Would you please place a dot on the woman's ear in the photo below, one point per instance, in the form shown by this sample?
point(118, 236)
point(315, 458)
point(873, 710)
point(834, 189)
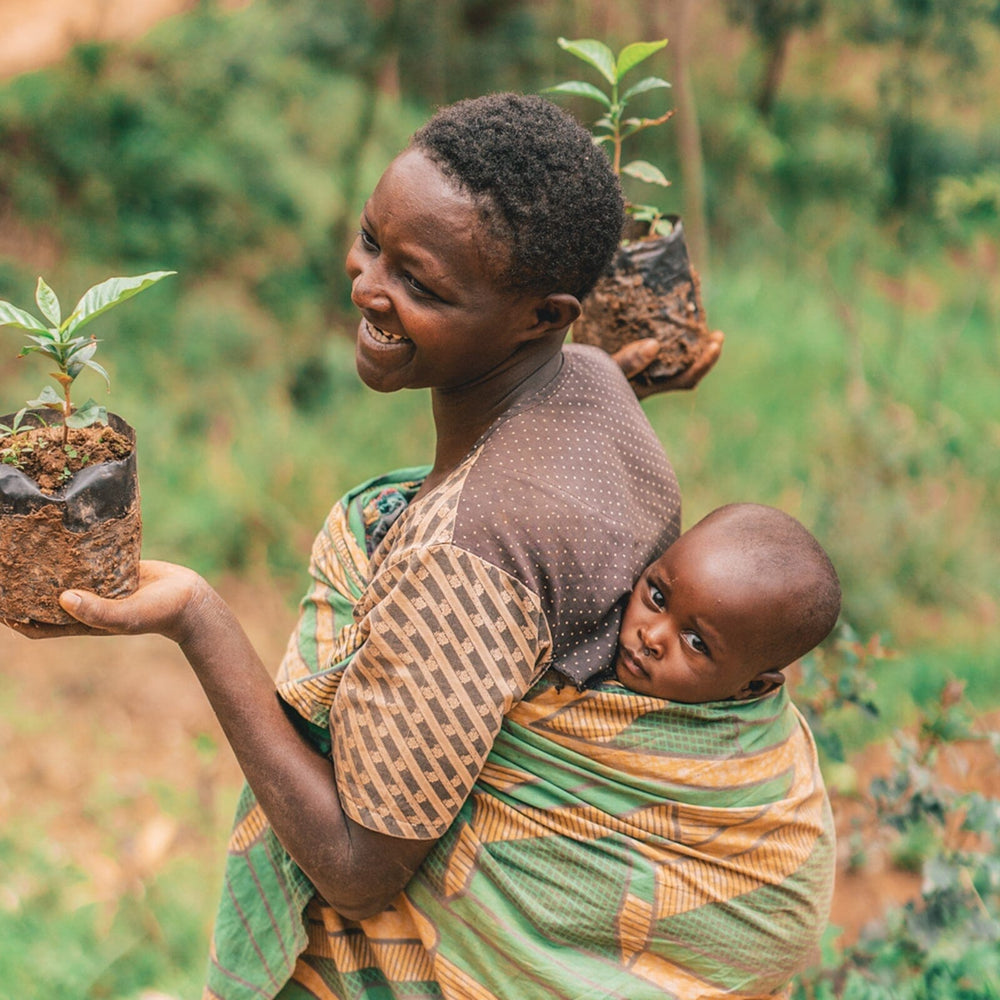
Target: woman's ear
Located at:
point(557, 312)
point(764, 683)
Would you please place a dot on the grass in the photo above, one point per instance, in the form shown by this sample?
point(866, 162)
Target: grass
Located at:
point(58, 943)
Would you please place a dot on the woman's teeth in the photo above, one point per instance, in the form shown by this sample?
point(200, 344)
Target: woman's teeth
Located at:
point(383, 337)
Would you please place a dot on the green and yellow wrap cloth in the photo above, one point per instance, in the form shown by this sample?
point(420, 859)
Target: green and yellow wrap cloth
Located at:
point(614, 846)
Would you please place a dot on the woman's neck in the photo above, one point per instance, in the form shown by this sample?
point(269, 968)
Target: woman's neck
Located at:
point(461, 417)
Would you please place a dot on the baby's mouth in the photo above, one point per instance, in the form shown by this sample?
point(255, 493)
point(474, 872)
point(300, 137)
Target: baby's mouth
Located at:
point(383, 336)
point(631, 662)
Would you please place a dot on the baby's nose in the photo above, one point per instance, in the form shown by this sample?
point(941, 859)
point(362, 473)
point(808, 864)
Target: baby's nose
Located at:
point(654, 640)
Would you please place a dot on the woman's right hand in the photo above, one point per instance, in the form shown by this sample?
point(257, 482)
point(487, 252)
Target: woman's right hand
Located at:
point(634, 358)
point(167, 602)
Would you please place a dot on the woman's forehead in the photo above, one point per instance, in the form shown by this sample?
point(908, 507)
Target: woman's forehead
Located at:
point(415, 183)
point(430, 216)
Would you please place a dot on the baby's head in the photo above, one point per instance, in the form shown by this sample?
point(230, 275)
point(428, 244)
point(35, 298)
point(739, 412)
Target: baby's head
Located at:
point(735, 600)
point(548, 201)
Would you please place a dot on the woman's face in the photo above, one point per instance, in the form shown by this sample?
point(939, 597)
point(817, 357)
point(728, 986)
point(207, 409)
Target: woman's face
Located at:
point(423, 275)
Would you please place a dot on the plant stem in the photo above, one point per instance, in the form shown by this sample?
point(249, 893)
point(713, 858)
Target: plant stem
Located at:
point(67, 410)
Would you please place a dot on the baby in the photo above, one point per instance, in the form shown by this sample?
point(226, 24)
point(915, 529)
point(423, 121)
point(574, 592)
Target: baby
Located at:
point(735, 600)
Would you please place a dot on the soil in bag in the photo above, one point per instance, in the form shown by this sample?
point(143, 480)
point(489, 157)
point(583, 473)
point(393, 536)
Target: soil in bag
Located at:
point(649, 290)
point(85, 533)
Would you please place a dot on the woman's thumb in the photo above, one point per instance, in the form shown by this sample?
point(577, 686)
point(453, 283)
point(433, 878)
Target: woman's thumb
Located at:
point(83, 606)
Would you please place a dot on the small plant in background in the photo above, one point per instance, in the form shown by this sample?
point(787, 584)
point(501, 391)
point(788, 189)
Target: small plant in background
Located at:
point(59, 340)
point(613, 128)
point(945, 944)
point(834, 677)
point(16, 445)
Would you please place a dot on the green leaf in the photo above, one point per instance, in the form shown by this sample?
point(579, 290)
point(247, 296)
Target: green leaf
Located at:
point(644, 213)
point(48, 302)
point(100, 371)
point(644, 85)
point(594, 52)
point(89, 413)
point(48, 397)
point(10, 315)
point(644, 171)
point(634, 54)
point(80, 356)
point(109, 293)
point(43, 343)
point(580, 89)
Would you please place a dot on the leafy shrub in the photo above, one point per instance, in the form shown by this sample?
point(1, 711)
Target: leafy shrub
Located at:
point(945, 945)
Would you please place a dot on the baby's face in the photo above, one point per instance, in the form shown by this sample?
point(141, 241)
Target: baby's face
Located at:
point(697, 628)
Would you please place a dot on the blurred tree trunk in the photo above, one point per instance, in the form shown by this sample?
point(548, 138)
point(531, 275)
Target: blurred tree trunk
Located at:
point(677, 24)
point(775, 53)
point(772, 22)
point(380, 75)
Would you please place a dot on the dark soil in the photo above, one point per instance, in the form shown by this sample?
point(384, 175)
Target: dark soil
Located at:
point(650, 290)
point(622, 309)
point(41, 454)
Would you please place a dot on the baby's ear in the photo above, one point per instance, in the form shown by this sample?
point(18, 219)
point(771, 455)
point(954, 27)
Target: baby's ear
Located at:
point(764, 683)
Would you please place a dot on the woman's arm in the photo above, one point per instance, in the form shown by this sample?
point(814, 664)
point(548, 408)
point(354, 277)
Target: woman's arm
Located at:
point(357, 871)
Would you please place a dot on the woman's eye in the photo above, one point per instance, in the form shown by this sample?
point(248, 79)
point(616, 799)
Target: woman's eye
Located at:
point(367, 240)
point(696, 642)
point(656, 596)
point(418, 287)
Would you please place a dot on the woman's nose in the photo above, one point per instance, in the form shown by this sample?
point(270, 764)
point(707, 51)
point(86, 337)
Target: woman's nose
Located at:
point(367, 285)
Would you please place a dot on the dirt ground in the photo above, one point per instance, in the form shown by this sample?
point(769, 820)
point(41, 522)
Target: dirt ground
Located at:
point(94, 730)
point(35, 33)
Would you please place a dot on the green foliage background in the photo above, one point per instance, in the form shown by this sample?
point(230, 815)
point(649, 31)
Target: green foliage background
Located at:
point(854, 218)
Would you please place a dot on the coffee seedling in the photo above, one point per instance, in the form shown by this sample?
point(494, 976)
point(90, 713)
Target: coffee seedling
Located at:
point(612, 128)
point(59, 340)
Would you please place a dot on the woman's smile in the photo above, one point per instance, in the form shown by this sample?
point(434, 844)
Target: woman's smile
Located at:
point(382, 336)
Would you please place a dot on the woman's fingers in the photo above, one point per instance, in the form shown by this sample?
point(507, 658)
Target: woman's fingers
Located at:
point(637, 356)
point(166, 593)
point(702, 365)
point(43, 630)
point(168, 602)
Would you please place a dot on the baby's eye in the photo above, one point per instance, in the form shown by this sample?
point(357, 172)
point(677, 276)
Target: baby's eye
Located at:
point(367, 240)
point(656, 596)
point(696, 642)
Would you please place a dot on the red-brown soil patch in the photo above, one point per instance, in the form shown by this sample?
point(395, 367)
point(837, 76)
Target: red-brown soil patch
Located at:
point(866, 891)
point(109, 745)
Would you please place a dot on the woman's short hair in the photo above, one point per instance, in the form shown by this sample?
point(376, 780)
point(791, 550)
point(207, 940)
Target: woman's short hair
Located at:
point(544, 189)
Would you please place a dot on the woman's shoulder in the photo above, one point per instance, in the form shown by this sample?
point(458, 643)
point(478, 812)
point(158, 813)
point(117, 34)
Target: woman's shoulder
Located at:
point(584, 362)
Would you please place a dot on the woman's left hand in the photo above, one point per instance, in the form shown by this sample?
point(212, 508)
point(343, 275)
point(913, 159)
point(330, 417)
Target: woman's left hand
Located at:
point(167, 602)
